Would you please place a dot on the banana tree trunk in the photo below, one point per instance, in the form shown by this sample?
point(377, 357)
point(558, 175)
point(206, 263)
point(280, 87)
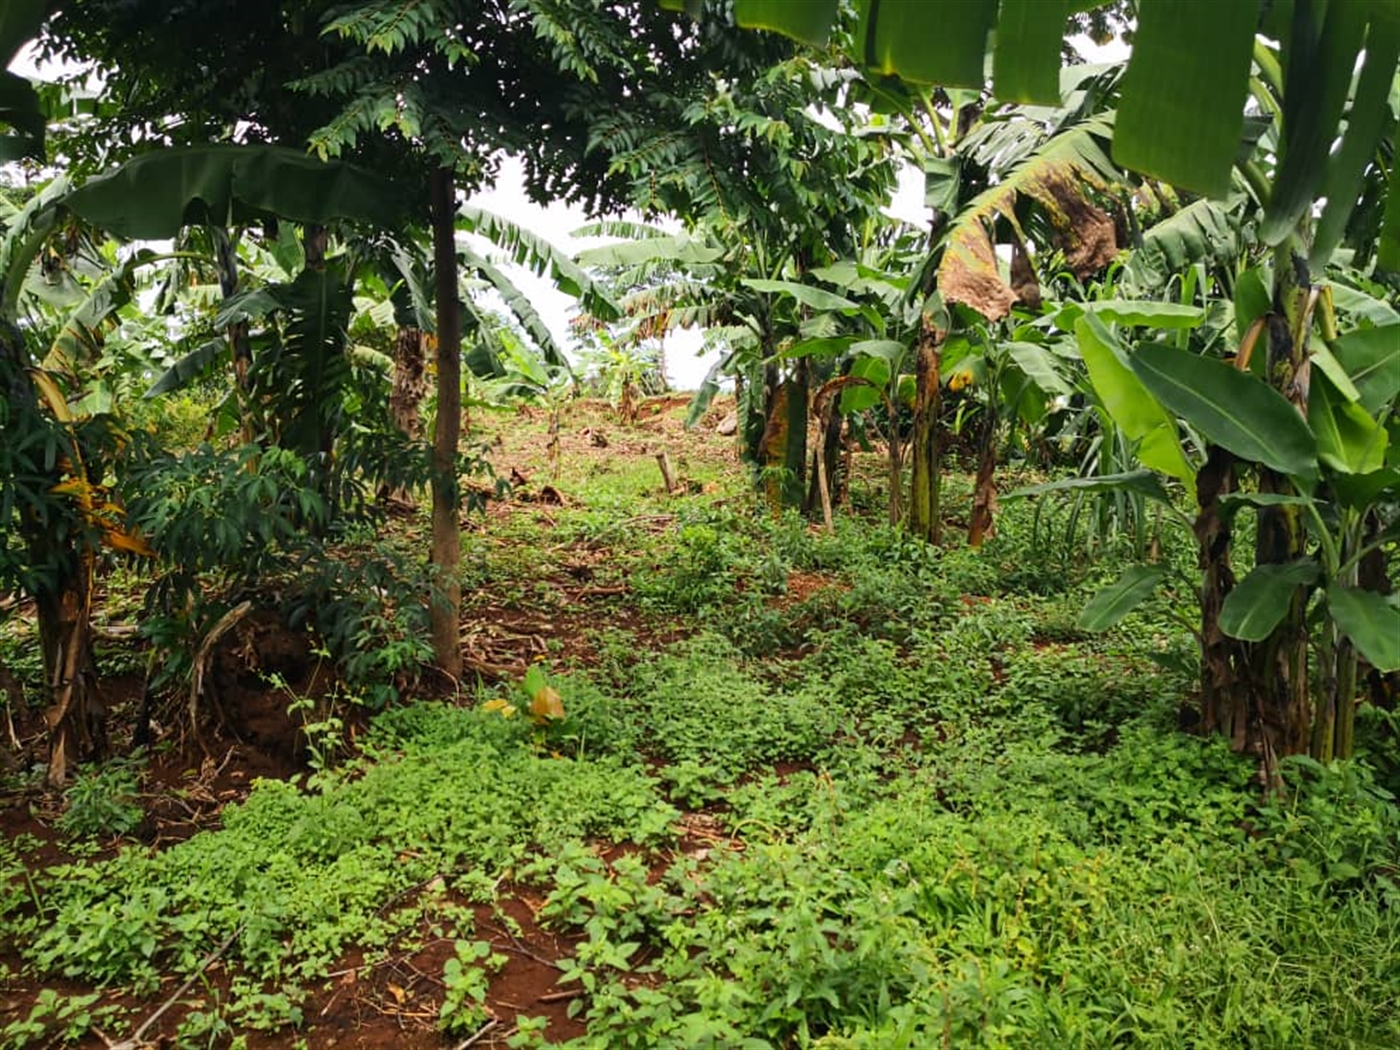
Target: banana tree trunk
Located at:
point(1373, 575)
point(1278, 666)
point(1224, 708)
point(925, 513)
point(62, 589)
point(984, 490)
point(407, 389)
point(794, 476)
point(241, 347)
point(75, 716)
point(410, 382)
point(782, 450)
point(445, 602)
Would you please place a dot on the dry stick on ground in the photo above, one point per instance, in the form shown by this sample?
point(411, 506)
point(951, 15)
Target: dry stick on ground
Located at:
point(203, 655)
point(137, 1037)
point(480, 1034)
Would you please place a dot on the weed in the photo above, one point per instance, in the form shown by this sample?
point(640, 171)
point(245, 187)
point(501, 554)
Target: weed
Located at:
point(104, 800)
point(466, 977)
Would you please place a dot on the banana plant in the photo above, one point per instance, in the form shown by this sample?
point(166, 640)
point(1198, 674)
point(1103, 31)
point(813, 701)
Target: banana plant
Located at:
point(60, 516)
point(1342, 468)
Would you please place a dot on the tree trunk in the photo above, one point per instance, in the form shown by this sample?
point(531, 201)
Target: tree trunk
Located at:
point(75, 716)
point(1223, 707)
point(406, 393)
point(62, 585)
point(445, 602)
point(410, 383)
point(825, 482)
point(794, 487)
point(1372, 574)
point(1278, 666)
point(924, 511)
point(240, 346)
point(984, 491)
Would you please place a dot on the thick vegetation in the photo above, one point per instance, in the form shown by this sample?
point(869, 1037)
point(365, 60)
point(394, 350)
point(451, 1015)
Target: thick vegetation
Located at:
point(353, 668)
point(872, 795)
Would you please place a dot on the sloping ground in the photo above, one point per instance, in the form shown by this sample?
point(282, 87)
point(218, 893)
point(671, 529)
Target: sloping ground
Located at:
point(808, 790)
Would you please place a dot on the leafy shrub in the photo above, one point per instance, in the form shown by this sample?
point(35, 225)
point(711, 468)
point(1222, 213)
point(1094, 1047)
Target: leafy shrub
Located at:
point(103, 801)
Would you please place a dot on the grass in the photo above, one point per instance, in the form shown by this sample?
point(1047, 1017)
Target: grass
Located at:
point(946, 817)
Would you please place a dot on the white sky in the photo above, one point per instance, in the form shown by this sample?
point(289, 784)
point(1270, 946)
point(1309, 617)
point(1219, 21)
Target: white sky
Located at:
point(685, 367)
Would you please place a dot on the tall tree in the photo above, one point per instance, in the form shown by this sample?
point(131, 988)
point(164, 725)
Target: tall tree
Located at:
point(434, 91)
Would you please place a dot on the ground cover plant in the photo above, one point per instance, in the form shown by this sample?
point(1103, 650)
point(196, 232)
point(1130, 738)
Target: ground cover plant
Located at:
point(1000, 647)
point(814, 794)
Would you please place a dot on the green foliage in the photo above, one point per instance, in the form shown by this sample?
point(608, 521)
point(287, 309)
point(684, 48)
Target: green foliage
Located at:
point(55, 1018)
point(104, 801)
point(466, 977)
point(302, 876)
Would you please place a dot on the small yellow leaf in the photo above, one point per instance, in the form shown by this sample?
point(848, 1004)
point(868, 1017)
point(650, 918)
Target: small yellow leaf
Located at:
point(398, 993)
point(546, 706)
point(72, 487)
point(504, 706)
point(127, 543)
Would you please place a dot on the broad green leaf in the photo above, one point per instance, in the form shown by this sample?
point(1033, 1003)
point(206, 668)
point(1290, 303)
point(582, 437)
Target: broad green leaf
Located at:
point(1040, 366)
point(1129, 403)
point(540, 256)
point(1361, 491)
point(1229, 407)
point(1369, 113)
point(1348, 439)
point(816, 298)
point(1026, 62)
point(683, 251)
point(1359, 304)
point(522, 307)
point(1183, 95)
point(1371, 622)
point(806, 20)
point(1388, 245)
point(189, 367)
point(1371, 357)
point(1260, 601)
point(1326, 362)
point(942, 180)
point(1146, 313)
point(1142, 482)
point(1319, 75)
point(861, 396)
point(888, 350)
point(1263, 499)
point(156, 194)
point(1252, 300)
point(705, 396)
point(1203, 231)
point(1121, 597)
point(943, 43)
point(830, 346)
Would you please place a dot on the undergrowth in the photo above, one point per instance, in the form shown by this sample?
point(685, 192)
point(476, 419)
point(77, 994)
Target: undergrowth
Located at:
point(948, 816)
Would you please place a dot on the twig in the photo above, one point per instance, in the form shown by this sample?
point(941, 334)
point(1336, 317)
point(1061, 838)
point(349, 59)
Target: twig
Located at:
point(516, 946)
point(559, 997)
point(480, 1034)
point(137, 1037)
